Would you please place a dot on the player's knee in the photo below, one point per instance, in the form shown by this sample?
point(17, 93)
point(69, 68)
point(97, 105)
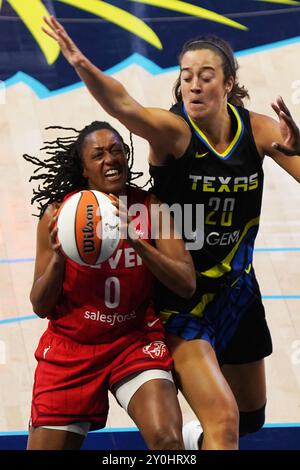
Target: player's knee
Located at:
point(224, 428)
point(166, 439)
point(251, 421)
point(229, 425)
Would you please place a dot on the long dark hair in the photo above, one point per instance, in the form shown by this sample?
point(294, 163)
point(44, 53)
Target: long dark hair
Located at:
point(62, 171)
point(229, 66)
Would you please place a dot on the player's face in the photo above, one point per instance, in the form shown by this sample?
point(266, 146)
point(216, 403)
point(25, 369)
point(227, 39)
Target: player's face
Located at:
point(104, 162)
point(204, 92)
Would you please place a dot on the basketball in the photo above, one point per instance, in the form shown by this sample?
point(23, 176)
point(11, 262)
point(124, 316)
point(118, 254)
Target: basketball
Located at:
point(88, 228)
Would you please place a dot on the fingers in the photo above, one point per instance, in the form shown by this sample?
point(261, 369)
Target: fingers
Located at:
point(53, 231)
point(115, 202)
point(284, 114)
point(289, 122)
point(283, 149)
point(283, 106)
point(121, 212)
point(48, 22)
point(118, 203)
point(50, 33)
point(56, 23)
point(276, 108)
point(279, 106)
point(52, 227)
point(53, 24)
point(52, 30)
point(55, 243)
point(114, 199)
point(57, 31)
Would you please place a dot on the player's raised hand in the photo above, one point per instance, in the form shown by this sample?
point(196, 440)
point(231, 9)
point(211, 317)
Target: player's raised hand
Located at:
point(127, 226)
point(290, 132)
point(57, 32)
point(53, 230)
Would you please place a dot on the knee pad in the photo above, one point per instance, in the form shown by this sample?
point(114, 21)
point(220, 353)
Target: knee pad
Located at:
point(251, 421)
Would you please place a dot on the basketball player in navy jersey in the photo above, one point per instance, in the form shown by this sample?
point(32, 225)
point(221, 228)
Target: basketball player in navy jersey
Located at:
point(103, 333)
point(210, 150)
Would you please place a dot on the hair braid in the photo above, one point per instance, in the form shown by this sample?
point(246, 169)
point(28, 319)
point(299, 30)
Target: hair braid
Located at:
point(62, 172)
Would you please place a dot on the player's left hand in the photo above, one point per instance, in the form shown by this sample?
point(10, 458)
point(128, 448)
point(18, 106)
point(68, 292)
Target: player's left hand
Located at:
point(289, 130)
point(127, 224)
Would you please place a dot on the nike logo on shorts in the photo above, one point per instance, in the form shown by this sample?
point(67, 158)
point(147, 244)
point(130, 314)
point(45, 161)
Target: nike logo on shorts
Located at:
point(151, 323)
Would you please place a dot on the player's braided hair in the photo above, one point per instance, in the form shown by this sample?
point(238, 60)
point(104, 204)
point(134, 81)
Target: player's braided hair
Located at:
point(229, 66)
point(62, 172)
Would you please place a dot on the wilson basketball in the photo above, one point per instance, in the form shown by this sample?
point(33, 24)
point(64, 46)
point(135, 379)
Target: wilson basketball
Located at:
point(88, 228)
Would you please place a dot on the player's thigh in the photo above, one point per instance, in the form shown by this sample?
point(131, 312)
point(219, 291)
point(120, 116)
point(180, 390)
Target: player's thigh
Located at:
point(248, 384)
point(52, 439)
point(202, 382)
point(150, 399)
point(155, 404)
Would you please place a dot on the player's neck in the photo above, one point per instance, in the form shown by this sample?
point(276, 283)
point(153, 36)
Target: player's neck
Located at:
point(218, 129)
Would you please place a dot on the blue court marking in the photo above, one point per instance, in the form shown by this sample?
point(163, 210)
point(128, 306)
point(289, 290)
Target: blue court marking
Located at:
point(17, 319)
point(111, 430)
point(35, 317)
point(257, 250)
point(267, 47)
point(40, 90)
point(147, 64)
point(266, 250)
point(280, 297)
point(282, 425)
point(105, 430)
point(118, 430)
point(16, 260)
point(43, 92)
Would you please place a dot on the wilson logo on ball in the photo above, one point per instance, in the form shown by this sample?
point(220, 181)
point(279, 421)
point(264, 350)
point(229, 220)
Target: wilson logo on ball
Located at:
point(80, 223)
point(87, 230)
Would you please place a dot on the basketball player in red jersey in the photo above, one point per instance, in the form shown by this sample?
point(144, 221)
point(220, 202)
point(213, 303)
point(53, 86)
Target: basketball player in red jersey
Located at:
point(220, 337)
point(103, 333)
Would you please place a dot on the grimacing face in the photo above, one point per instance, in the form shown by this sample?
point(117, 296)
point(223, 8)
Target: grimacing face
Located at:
point(204, 92)
point(104, 162)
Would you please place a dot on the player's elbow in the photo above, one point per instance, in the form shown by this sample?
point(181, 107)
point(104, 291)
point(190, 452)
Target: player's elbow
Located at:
point(39, 307)
point(39, 310)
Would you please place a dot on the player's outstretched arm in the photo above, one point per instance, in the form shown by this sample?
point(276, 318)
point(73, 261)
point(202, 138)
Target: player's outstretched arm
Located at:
point(279, 139)
point(166, 132)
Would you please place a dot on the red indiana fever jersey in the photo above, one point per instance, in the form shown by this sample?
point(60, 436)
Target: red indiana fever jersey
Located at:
point(103, 302)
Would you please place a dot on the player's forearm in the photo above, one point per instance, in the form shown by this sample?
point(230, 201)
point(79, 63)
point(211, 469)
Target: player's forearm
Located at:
point(176, 275)
point(47, 288)
point(109, 93)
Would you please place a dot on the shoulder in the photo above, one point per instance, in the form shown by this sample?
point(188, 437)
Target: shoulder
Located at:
point(265, 131)
point(263, 124)
point(176, 135)
point(258, 120)
point(174, 117)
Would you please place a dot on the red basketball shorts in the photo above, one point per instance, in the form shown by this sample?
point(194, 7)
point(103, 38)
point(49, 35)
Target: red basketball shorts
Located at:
point(72, 380)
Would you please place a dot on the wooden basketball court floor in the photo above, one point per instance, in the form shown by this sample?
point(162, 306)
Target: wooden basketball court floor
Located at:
point(23, 117)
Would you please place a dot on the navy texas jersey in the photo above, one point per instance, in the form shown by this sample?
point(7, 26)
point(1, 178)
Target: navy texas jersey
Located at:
point(229, 186)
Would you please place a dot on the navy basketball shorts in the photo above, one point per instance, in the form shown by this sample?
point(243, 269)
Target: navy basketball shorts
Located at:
point(233, 322)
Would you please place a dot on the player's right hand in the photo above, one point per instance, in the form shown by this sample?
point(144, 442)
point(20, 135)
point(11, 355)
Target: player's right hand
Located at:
point(57, 32)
